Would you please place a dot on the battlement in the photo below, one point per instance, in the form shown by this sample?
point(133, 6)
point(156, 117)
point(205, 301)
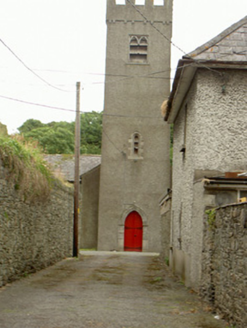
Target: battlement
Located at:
point(154, 10)
point(141, 2)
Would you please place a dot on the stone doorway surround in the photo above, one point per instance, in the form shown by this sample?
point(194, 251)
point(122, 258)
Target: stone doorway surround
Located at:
point(121, 223)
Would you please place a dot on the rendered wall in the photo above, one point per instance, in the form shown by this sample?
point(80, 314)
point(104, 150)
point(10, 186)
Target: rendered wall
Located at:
point(133, 95)
point(89, 209)
point(215, 138)
point(224, 263)
point(33, 236)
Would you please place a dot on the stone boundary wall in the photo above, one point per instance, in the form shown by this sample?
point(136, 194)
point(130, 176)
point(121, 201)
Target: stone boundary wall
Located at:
point(224, 263)
point(33, 236)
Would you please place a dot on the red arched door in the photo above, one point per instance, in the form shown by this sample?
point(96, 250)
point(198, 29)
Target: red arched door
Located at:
point(133, 231)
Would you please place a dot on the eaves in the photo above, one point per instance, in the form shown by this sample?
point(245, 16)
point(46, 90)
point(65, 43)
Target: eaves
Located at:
point(185, 73)
point(186, 70)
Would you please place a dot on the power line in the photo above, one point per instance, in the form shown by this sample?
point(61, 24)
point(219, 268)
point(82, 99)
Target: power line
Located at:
point(36, 104)
point(198, 63)
point(133, 116)
point(92, 73)
point(135, 76)
point(121, 151)
point(29, 69)
point(152, 24)
point(114, 75)
point(114, 81)
point(7, 81)
point(164, 36)
point(126, 77)
point(132, 76)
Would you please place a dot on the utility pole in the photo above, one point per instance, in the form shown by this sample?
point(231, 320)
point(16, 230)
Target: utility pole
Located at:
point(77, 172)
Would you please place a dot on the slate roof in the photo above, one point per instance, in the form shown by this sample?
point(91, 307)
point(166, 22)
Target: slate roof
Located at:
point(227, 50)
point(63, 165)
point(230, 45)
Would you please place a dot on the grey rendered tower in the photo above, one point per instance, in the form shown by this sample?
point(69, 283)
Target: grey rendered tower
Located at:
point(135, 169)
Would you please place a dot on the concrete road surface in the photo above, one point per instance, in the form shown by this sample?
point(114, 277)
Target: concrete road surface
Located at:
point(104, 290)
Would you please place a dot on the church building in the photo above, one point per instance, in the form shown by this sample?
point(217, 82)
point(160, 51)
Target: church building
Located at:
point(135, 166)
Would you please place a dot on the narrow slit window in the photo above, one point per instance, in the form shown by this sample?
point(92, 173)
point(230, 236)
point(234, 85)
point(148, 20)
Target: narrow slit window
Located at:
point(136, 146)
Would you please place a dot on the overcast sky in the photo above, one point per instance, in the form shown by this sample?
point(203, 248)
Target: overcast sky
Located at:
point(63, 41)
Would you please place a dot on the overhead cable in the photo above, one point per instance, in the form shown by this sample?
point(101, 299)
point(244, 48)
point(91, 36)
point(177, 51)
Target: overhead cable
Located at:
point(29, 69)
point(152, 24)
point(164, 36)
point(36, 104)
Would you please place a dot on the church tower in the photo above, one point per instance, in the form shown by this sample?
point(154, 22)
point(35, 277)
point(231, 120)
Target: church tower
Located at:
point(135, 169)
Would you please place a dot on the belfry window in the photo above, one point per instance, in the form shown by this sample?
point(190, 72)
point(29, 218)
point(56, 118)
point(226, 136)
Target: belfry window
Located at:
point(136, 146)
point(138, 48)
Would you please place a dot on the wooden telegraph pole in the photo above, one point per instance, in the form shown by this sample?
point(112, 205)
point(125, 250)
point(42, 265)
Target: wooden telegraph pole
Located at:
point(77, 172)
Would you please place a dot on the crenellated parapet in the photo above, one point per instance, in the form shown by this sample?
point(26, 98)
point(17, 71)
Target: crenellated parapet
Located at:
point(131, 12)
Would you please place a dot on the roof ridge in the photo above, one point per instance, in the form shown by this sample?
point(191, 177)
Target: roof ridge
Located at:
point(216, 39)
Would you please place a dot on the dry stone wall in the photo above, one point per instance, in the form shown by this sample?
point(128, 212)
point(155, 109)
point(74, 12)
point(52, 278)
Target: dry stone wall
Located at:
point(224, 267)
point(33, 236)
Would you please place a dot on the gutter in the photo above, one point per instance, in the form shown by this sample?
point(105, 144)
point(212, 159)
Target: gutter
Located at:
point(224, 184)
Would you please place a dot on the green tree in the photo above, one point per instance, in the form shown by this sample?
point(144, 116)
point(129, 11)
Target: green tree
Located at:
point(58, 137)
point(91, 132)
point(58, 140)
point(30, 125)
point(62, 124)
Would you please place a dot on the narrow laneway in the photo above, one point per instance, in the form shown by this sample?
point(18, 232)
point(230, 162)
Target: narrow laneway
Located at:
point(104, 290)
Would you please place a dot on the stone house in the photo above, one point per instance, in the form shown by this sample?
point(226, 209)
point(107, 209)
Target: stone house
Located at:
point(63, 166)
point(135, 165)
point(208, 107)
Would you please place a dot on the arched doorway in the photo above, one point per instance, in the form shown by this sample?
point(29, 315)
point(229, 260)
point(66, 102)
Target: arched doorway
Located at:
point(133, 231)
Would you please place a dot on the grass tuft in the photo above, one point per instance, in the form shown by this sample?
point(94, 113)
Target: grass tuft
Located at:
point(27, 169)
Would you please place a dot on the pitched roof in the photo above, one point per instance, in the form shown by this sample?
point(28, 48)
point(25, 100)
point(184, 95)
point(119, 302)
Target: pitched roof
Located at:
point(230, 45)
point(227, 50)
point(63, 165)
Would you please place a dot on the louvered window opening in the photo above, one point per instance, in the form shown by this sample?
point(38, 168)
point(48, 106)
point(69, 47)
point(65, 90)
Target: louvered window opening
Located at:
point(138, 49)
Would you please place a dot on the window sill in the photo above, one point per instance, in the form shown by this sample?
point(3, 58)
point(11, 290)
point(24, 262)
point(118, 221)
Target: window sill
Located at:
point(132, 63)
point(135, 158)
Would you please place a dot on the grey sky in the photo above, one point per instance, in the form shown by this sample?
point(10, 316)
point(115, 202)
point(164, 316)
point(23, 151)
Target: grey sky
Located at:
point(63, 41)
